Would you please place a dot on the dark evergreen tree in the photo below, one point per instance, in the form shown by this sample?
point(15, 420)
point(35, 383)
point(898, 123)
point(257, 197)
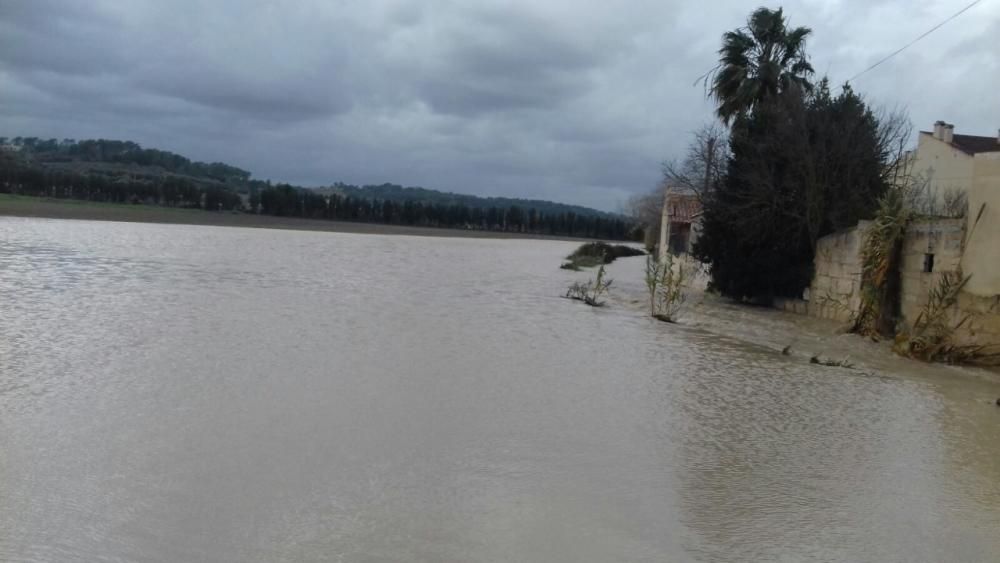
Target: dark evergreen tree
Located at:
point(801, 168)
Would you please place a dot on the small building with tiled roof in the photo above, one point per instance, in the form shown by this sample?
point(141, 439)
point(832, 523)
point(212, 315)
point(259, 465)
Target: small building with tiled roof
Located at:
point(683, 214)
point(683, 208)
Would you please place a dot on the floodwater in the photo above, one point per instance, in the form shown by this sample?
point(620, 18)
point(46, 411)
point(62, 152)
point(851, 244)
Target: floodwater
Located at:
point(178, 393)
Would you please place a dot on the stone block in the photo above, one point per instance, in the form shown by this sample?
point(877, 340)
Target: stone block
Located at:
point(837, 270)
point(947, 263)
point(821, 284)
point(952, 243)
point(912, 262)
point(845, 286)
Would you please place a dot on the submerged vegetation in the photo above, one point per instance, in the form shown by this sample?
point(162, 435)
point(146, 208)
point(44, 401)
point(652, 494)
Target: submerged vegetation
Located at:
point(598, 253)
point(828, 362)
point(591, 291)
point(665, 283)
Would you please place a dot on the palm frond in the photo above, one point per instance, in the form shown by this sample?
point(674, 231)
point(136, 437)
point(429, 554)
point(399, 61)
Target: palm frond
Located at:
point(760, 60)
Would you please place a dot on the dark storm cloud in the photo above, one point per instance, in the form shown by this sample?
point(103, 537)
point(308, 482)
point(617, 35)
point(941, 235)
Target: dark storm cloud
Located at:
point(60, 37)
point(554, 99)
point(250, 98)
point(490, 60)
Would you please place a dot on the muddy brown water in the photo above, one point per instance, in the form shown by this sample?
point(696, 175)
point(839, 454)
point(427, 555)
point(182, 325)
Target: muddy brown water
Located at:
point(180, 393)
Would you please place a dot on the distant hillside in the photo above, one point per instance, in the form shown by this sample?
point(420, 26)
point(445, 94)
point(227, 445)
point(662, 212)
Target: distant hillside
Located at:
point(117, 172)
point(116, 156)
point(124, 172)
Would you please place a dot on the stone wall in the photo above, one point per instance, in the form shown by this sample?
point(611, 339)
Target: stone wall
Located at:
point(942, 239)
point(834, 292)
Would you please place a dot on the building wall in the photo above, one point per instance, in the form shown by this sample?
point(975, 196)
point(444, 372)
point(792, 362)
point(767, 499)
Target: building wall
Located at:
point(945, 166)
point(982, 251)
point(941, 238)
point(977, 317)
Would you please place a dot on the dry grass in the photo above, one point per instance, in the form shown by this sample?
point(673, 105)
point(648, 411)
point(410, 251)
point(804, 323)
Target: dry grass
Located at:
point(932, 336)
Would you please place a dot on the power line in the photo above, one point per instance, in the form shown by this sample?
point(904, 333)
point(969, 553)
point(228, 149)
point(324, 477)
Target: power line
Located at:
point(925, 34)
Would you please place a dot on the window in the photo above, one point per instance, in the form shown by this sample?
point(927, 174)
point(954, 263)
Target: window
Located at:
point(928, 263)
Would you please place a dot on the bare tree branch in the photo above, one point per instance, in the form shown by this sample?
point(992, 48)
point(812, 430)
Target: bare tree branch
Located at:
point(703, 164)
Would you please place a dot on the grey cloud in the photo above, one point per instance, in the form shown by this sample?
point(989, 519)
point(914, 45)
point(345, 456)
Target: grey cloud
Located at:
point(554, 99)
point(57, 37)
point(489, 60)
point(249, 97)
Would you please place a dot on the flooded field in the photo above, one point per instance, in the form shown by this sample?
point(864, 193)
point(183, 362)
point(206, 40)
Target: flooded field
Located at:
point(183, 393)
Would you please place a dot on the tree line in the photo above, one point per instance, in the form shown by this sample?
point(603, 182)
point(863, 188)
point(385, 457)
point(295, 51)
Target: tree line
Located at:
point(285, 200)
point(426, 196)
point(101, 186)
point(225, 188)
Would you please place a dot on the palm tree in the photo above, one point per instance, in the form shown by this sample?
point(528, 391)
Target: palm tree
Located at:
point(758, 61)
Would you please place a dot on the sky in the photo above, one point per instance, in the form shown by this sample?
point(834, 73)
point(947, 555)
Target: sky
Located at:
point(571, 101)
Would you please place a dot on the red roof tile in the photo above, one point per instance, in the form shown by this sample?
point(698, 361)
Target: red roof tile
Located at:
point(972, 144)
point(683, 208)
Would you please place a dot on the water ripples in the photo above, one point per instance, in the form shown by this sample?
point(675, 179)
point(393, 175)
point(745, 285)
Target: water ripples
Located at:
point(194, 393)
